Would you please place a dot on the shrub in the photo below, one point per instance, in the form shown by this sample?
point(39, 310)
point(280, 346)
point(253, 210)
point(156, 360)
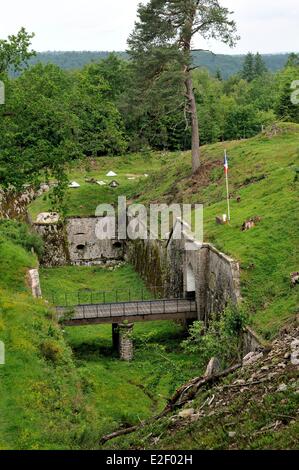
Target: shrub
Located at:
point(223, 338)
point(51, 350)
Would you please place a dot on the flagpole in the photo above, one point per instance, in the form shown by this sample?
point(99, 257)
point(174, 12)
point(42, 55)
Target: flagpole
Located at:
point(227, 189)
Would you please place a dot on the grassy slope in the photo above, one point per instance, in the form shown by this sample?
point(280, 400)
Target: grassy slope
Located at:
point(84, 200)
point(122, 393)
point(118, 284)
point(267, 253)
point(41, 401)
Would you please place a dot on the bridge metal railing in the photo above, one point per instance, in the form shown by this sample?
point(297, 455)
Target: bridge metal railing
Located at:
point(130, 309)
point(92, 297)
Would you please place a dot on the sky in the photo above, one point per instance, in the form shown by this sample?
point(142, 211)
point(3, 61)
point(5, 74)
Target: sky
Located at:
point(267, 26)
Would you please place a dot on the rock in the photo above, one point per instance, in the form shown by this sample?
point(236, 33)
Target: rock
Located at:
point(239, 382)
point(187, 413)
point(272, 375)
point(294, 278)
point(264, 368)
point(295, 344)
point(250, 223)
point(35, 282)
point(252, 357)
point(282, 388)
point(295, 358)
point(232, 434)
point(287, 355)
point(47, 218)
point(44, 187)
point(213, 367)
point(219, 220)
point(281, 365)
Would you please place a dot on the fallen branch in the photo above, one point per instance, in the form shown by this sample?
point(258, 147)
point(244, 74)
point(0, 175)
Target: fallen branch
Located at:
point(191, 388)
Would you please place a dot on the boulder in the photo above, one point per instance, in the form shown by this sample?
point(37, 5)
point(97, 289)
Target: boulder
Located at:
point(250, 223)
point(213, 367)
point(294, 278)
point(252, 357)
point(187, 413)
point(47, 218)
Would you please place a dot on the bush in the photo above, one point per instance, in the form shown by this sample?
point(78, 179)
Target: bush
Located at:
point(20, 234)
point(51, 350)
point(223, 337)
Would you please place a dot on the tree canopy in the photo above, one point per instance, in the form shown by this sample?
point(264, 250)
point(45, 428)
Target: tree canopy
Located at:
point(15, 51)
point(161, 43)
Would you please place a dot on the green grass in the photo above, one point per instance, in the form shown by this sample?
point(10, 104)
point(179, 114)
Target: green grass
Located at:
point(41, 400)
point(62, 390)
point(122, 393)
point(83, 201)
point(268, 253)
point(85, 284)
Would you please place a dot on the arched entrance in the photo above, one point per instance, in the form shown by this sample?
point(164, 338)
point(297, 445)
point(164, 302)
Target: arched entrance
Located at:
point(190, 282)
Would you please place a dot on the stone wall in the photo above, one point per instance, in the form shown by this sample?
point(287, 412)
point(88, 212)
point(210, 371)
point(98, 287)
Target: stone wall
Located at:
point(188, 268)
point(76, 242)
point(14, 205)
point(180, 266)
point(85, 247)
point(55, 244)
point(149, 258)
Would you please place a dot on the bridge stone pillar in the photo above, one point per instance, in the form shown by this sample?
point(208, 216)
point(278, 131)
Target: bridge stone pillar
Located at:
point(126, 350)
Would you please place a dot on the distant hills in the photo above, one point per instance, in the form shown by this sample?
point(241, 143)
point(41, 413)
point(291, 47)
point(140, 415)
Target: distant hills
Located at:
point(227, 64)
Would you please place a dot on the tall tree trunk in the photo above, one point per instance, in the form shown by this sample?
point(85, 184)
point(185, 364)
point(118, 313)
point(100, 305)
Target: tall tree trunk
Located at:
point(194, 122)
point(186, 40)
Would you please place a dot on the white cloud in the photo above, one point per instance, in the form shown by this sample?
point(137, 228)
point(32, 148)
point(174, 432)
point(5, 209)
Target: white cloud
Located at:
point(264, 25)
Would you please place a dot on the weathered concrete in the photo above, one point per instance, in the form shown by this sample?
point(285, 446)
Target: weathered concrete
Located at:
point(190, 268)
point(85, 246)
point(180, 267)
point(77, 242)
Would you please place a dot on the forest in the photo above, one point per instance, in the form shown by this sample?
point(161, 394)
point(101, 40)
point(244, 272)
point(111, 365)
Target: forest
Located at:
point(227, 64)
point(110, 106)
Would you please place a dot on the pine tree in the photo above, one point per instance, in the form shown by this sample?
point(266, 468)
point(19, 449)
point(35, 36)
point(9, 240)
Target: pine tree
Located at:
point(162, 40)
point(260, 67)
point(248, 70)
